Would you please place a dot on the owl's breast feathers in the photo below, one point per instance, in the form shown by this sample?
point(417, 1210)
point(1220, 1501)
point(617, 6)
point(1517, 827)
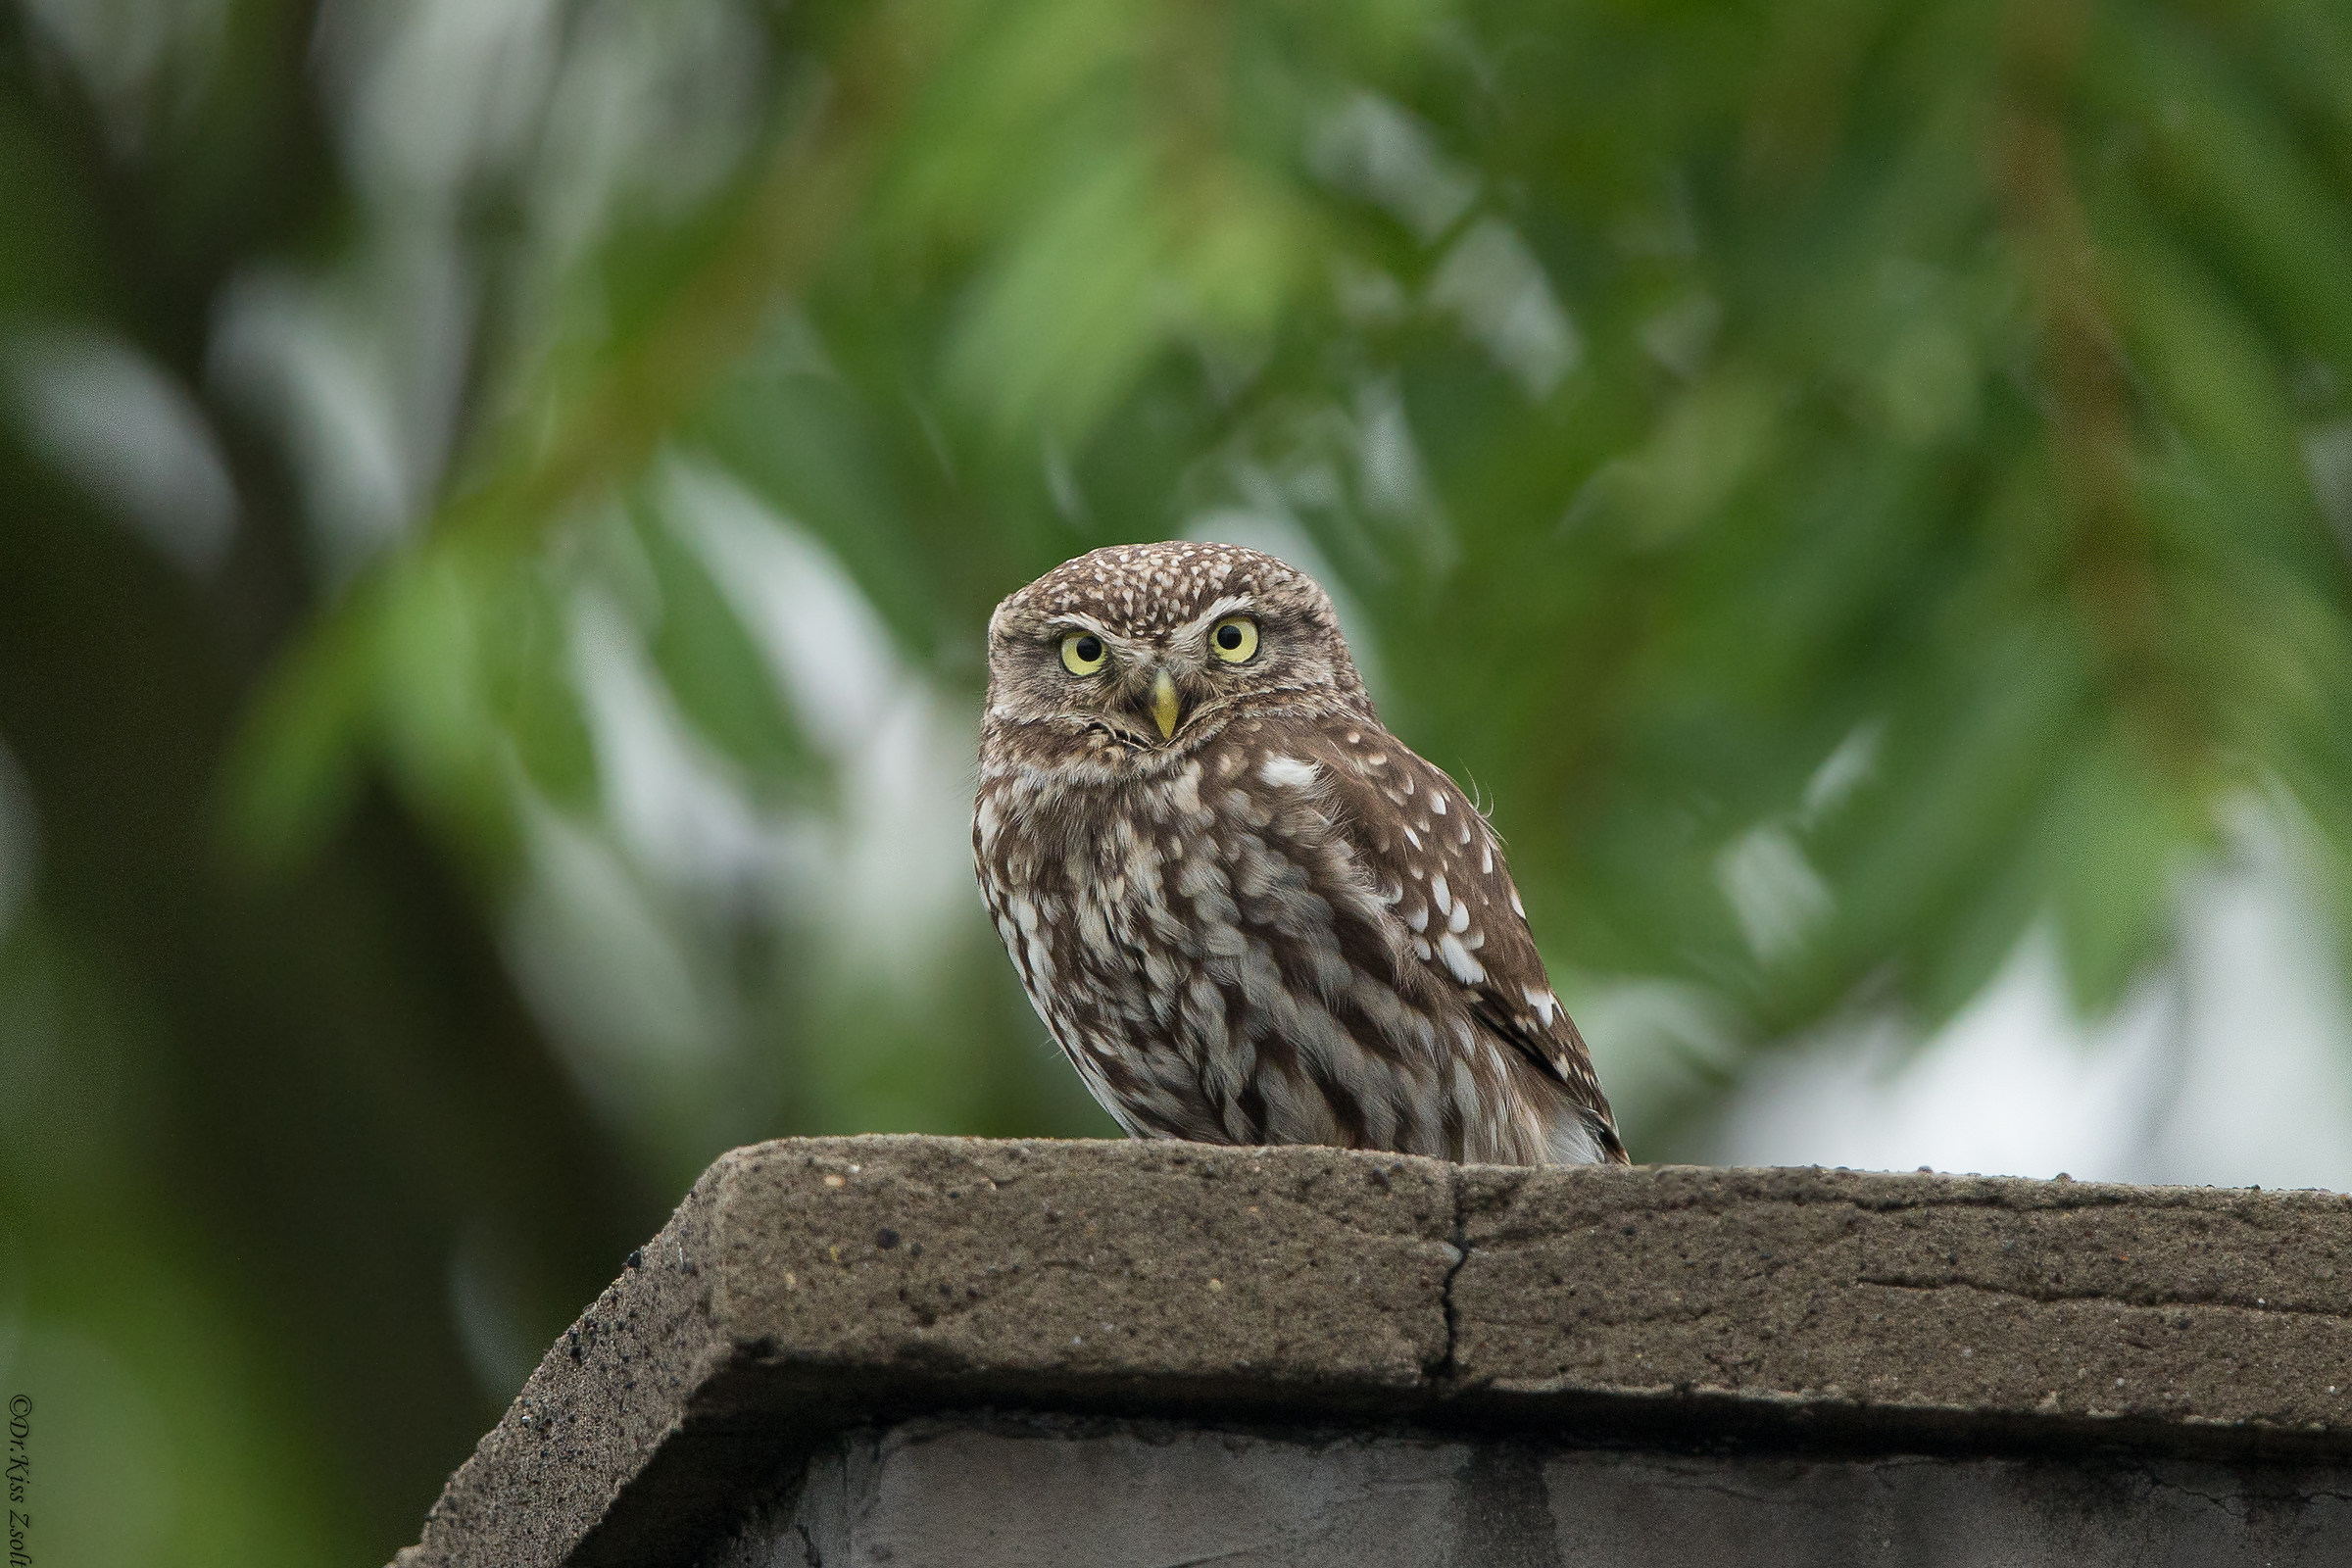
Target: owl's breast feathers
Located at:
point(1302, 933)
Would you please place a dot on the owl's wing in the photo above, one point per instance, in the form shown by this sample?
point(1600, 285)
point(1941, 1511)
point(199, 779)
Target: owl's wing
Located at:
point(1439, 867)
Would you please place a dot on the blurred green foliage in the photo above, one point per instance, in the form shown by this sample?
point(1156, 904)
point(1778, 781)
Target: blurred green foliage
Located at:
point(499, 503)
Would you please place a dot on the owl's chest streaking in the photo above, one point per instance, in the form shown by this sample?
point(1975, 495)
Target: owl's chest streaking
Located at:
point(1206, 948)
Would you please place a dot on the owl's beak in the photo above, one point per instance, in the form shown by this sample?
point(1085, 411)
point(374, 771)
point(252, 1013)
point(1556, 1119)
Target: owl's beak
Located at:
point(1163, 704)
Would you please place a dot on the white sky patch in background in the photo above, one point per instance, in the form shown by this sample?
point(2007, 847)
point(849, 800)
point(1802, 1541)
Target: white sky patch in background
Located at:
point(597, 958)
point(651, 105)
point(2328, 464)
point(2233, 1070)
point(828, 651)
point(121, 427)
point(600, 933)
point(603, 931)
point(1845, 770)
point(437, 91)
point(361, 376)
point(899, 860)
point(1774, 893)
point(1374, 149)
point(670, 800)
point(2011, 1087)
point(1494, 285)
point(609, 931)
point(1393, 479)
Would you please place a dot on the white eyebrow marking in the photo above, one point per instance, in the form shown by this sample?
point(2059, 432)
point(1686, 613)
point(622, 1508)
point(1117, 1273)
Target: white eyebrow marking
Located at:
point(1217, 611)
point(1080, 621)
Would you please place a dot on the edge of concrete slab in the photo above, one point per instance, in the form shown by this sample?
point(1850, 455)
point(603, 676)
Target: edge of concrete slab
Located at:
point(807, 1285)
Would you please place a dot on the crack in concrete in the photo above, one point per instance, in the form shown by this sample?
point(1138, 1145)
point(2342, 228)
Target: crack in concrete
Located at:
point(2193, 1201)
point(1445, 1369)
point(2060, 1298)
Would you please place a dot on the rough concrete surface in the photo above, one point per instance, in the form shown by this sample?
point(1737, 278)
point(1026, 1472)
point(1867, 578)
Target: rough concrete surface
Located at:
point(1912, 1292)
point(808, 1287)
point(1055, 1492)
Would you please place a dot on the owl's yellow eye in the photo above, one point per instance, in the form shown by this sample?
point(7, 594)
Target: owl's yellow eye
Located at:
point(1083, 653)
point(1233, 639)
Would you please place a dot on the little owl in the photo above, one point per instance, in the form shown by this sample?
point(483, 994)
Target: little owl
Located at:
point(1248, 913)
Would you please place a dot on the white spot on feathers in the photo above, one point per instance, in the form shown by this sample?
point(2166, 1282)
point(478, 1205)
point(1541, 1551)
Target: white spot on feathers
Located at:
point(1185, 789)
point(1460, 920)
point(1438, 892)
point(1463, 968)
point(1289, 772)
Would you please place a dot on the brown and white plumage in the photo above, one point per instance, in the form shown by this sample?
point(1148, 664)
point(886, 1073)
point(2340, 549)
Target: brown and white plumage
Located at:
point(1248, 913)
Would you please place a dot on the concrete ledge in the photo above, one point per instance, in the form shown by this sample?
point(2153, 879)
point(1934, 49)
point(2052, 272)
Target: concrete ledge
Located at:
point(808, 1287)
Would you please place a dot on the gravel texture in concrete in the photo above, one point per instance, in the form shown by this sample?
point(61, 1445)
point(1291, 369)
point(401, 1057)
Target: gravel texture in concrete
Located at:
point(813, 1287)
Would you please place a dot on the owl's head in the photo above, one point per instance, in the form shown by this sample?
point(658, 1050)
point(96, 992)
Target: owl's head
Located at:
point(1152, 648)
